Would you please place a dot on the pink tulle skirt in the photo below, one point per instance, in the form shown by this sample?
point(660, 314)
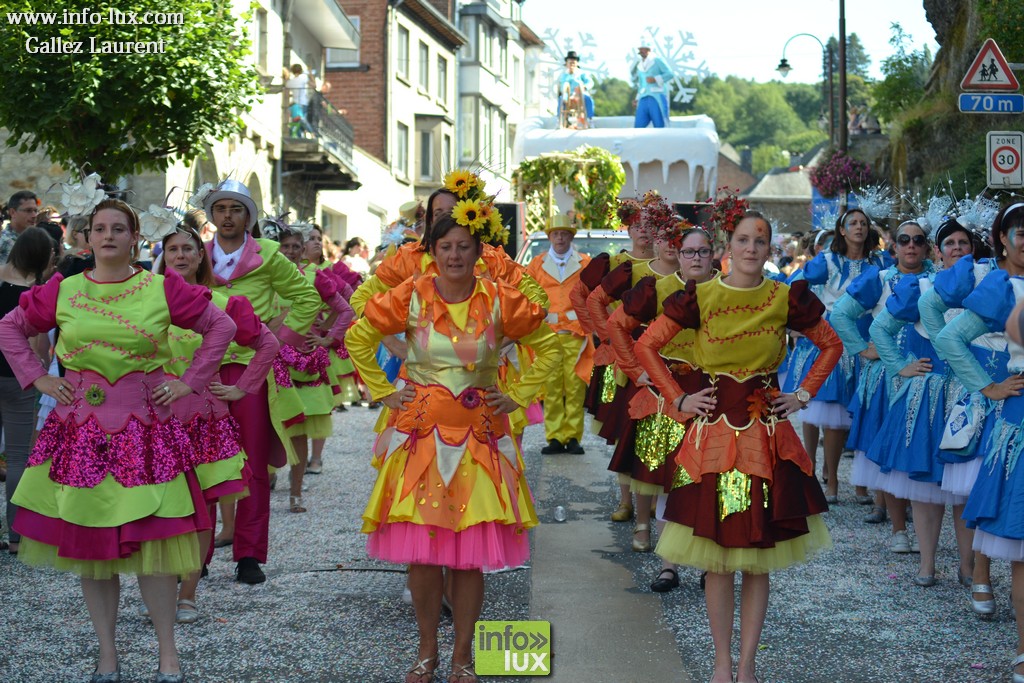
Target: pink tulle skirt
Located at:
point(487, 546)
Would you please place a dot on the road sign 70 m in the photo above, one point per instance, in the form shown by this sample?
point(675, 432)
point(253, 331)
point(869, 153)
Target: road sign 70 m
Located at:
point(978, 103)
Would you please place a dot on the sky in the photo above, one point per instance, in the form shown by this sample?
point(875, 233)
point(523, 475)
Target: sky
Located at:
point(733, 37)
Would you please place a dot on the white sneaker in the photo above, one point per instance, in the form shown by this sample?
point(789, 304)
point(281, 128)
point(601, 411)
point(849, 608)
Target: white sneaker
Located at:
point(900, 542)
point(914, 547)
point(407, 596)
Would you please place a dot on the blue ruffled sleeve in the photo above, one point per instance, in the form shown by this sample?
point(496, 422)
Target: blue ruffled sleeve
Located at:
point(953, 346)
point(954, 284)
point(815, 271)
point(866, 290)
point(844, 319)
point(992, 300)
point(884, 329)
point(902, 303)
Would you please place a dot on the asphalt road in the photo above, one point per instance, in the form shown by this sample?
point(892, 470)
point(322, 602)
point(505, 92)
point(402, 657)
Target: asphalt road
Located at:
point(327, 613)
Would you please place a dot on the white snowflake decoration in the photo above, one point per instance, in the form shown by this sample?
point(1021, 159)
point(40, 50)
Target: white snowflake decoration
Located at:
point(679, 59)
point(549, 67)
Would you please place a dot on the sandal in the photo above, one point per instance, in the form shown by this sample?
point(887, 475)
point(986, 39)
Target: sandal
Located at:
point(421, 673)
point(295, 504)
point(463, 673)
point(188, 612)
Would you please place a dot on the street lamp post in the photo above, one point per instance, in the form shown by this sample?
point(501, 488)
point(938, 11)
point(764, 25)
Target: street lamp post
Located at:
point(842, 77)
point(784, 68)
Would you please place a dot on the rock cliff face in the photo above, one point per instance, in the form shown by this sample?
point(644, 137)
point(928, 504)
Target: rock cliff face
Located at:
point(939, 142)
point(956, 30)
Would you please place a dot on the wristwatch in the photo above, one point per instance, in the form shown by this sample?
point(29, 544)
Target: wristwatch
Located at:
point(802, 395)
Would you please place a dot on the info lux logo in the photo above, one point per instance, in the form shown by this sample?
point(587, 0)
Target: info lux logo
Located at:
point(522, 648)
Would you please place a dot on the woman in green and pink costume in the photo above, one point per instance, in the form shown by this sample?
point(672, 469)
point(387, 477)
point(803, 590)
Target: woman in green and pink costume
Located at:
point(110, 486)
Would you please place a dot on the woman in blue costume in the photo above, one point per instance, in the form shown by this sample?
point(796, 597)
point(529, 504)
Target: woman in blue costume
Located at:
point(907, 446)
point(852, 314)
point(940, 305)
point(995, 507)
point(829, 274)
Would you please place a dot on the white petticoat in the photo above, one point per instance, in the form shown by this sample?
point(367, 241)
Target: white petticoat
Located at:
point(864, 472)
point(959, 477)
point(902, 486)
point(997, 547)
point(826, 415)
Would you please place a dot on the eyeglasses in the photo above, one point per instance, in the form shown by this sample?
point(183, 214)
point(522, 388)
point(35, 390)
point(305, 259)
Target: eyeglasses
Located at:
point(703, 252)
point(918, 240)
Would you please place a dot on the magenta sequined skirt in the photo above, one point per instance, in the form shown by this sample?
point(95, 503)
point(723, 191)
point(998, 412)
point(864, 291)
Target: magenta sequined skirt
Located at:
point(215, 438)
point(113, 428)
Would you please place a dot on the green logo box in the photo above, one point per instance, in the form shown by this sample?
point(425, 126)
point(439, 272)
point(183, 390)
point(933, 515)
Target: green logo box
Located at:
point(516, 648)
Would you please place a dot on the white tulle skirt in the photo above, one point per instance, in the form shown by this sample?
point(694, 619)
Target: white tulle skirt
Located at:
point(958, 477)
point(864, 472)
point(997, 547)
point(826, 415)
point(902, 486)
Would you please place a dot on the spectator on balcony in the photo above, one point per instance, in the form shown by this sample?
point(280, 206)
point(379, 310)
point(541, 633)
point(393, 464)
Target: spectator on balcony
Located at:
point(303, 88)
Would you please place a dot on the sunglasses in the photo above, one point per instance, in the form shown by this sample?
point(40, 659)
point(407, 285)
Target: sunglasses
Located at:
point(918, 240)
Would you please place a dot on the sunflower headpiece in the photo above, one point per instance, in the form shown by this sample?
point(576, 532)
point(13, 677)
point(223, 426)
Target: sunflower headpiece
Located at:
point(475, 209)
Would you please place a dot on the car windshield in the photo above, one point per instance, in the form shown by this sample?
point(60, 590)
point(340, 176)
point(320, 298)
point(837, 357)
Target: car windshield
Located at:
point(590, 244)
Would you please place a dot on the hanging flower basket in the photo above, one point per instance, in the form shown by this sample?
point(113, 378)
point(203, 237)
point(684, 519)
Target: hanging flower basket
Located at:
point(839, 174)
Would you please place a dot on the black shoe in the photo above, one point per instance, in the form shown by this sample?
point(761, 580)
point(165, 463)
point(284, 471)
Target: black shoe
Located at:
point(248, 571)
point(374, 405)
point(574, 447)
point(206, 571)
point(666, 581)
point(554, 446)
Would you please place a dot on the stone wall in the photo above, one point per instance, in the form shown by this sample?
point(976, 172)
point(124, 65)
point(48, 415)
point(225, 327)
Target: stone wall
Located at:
point(30, 171)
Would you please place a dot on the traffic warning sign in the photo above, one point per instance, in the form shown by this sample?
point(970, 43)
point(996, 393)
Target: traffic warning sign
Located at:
point(989, 70)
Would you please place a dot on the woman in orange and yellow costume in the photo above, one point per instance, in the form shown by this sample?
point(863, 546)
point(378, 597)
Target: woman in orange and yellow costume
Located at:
point(451, 489)
point(752, 503)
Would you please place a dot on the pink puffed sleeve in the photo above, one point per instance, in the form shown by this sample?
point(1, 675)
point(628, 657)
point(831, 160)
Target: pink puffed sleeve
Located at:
point(254, 334)
point(36, 313)
point(190, 307)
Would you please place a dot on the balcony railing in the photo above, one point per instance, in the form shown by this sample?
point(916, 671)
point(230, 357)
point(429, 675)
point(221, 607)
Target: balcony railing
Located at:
point(324, 122)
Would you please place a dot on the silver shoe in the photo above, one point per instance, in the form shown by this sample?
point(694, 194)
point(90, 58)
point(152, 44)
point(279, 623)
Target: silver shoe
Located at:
point(983, 607)
point(924, 581)
point(112, 677)
point(161, 677)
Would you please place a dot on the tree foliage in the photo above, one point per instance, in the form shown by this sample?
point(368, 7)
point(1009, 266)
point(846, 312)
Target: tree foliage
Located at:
point(612, 97)
point(857, 60)
point(122, 113)
point(905, 76)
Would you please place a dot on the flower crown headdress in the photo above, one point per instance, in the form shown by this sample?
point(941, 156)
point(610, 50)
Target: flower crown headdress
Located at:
point(628, 212)
point(474, 209)
point(82, 197)
point(657, 217)
point(726, 212)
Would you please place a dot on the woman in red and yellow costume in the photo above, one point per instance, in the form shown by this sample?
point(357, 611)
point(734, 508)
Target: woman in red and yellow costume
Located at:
point(643, 453)
point(451, 489)
point(747, 498)
point(612, 411)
